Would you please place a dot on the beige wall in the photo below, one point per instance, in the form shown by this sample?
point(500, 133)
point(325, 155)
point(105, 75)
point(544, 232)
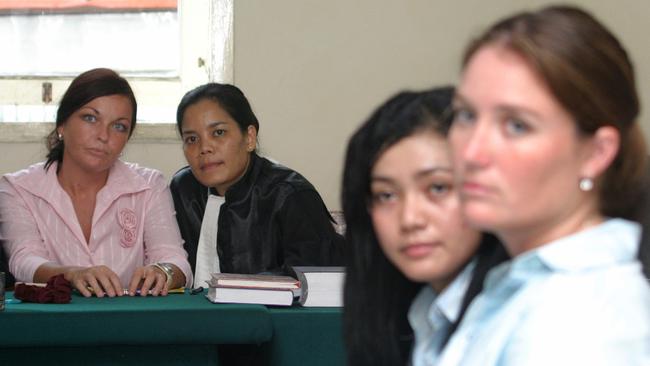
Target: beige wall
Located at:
point(315, 69)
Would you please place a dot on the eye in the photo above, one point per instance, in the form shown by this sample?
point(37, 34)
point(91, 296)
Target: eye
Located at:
point(463, 115)
point(383, 197)
point(120, 127)
point(219, 132)
point(516, 126)
point(89, 118)
point(439, 189)
point(191, 139)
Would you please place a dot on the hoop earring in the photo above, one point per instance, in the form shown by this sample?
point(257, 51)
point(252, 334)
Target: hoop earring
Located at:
point(586, 184)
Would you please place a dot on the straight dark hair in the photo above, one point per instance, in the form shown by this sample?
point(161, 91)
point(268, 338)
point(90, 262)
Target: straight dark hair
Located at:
point(377, 295)
point(228, 97)
point(84, 88)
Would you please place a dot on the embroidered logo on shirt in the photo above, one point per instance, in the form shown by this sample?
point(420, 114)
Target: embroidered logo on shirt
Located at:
point(128, 223)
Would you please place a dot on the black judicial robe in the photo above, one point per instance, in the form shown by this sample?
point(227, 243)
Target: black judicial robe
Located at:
point(272, 218)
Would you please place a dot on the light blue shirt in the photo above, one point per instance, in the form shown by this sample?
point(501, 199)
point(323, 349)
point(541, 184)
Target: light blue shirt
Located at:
point(431, 315)
point(580, 300)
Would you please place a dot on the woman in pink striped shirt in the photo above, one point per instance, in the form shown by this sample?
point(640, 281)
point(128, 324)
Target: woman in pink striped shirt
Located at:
point(105, 224)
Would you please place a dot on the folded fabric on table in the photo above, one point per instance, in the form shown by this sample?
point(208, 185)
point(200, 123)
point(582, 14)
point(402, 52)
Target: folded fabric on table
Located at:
point(58, 290)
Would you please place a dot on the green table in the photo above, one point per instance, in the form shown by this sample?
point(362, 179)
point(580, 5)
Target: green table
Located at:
point(306, 336)
point(176, 329)
point(172, 330)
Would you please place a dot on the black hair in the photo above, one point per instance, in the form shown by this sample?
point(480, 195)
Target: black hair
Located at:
point(84, 88)
point(377, 295)
point(229, 97)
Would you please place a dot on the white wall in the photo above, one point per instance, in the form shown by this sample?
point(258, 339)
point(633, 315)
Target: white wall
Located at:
point(313, 70)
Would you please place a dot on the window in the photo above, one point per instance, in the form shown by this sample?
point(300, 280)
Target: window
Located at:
point(162, 47)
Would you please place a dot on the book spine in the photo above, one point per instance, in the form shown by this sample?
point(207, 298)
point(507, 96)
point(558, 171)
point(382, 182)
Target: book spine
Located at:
point(304, 286)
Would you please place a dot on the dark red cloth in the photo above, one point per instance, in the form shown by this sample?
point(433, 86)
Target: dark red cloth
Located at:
point(58, 290)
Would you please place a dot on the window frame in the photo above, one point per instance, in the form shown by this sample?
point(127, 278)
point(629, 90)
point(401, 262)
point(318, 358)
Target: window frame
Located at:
point(209, 60)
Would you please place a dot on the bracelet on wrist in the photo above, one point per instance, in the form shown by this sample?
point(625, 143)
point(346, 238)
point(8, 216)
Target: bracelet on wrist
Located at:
point(168, 270)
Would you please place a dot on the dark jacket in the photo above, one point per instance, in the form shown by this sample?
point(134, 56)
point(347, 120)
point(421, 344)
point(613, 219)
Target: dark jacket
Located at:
point(272, 218)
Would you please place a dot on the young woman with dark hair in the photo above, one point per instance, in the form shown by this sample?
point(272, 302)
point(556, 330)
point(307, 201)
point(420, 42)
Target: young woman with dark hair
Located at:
point(407, 248)
point(105, 224)
point(549, 156)
point(239, 212)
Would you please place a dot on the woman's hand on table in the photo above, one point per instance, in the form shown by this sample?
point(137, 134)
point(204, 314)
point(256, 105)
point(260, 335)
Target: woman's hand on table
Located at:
point(99, 280)
point(148, 280)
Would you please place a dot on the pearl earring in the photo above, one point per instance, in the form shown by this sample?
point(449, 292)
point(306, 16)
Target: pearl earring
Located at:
point(586, 184)
point(60, 136)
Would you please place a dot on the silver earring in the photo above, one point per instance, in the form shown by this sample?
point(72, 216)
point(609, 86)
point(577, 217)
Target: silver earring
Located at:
point(586, 184)
point(60, 136)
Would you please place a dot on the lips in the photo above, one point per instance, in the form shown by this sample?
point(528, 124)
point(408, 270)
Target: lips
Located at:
point(471, 188)
point(419, 250)
point(210, 165)
point(98, 152)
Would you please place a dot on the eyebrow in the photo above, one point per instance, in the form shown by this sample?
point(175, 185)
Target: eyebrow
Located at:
point(502, 108)
point(210, 125)
point(459, 98)
point(91, 108)
point(419, 175)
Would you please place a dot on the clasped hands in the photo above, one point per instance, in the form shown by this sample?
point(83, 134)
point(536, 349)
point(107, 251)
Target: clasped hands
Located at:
point(102, 281)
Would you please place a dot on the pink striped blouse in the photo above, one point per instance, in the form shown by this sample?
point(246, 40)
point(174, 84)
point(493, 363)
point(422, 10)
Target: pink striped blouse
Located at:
point(133, 223)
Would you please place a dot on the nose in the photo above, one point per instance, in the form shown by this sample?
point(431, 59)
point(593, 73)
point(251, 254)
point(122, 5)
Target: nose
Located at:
point(412, 215)
point(472, 144)
point(102, 134)
point(206, 147)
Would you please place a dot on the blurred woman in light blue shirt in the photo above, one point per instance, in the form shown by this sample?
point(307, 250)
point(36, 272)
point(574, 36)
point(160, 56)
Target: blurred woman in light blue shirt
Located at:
point(549, 156)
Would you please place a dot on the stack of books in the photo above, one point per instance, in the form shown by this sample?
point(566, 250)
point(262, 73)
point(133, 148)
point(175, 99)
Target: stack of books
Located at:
point(253, 289)
point(308, 286)
point(320, 286)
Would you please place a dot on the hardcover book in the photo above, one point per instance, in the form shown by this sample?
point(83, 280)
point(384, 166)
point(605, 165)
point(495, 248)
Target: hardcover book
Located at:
point(320, 286)
point(260, 281)
point(234, 295)
point(253, 289)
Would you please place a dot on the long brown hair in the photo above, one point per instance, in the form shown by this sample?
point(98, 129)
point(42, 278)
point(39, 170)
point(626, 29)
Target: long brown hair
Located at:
point(590, 74)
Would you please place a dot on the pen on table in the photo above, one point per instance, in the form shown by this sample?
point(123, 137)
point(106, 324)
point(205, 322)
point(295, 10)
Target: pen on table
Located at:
point(178, 290)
